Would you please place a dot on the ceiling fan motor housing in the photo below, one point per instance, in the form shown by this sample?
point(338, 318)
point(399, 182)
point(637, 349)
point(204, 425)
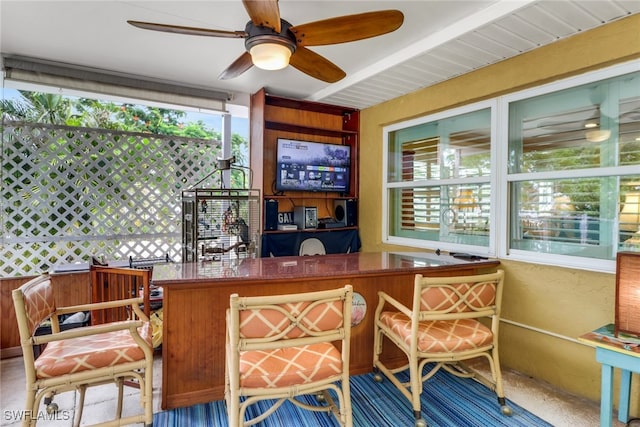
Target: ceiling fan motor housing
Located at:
point(259, 35)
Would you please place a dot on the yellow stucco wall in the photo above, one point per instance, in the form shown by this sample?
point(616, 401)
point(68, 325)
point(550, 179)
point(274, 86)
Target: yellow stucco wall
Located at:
point(566, 302)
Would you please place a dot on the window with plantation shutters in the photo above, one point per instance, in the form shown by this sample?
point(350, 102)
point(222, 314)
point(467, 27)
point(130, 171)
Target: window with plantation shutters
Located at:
point(419, 206)
point(438, 175)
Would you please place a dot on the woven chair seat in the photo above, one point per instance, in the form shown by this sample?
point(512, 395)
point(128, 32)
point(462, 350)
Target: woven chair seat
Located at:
point(440, 336)
point(90, 352)
point(288, 366)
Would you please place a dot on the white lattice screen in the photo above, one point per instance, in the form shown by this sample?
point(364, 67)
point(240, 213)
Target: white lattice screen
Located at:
point(69, 193)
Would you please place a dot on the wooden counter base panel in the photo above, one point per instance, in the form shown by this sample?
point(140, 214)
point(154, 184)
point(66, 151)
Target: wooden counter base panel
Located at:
point(196, 297)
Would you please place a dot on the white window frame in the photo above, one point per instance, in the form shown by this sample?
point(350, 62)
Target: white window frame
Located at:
point(583, 263)
point(499, 181)
point(386, 186)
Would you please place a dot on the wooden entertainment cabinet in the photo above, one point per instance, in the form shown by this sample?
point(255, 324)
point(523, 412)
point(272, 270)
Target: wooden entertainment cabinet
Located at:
point(274, 117)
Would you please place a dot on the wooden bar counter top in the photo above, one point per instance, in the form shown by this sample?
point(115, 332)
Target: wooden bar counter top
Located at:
point(196, 296)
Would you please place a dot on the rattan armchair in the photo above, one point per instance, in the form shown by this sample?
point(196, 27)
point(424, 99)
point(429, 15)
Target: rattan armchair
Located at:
point(440, 330)
point(281, 347)
point(81, 357)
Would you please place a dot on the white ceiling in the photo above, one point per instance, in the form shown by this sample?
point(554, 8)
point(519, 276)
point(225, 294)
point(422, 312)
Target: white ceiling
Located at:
point(438, 40)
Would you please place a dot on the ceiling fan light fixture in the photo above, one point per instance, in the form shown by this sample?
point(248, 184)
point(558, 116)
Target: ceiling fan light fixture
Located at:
point(270, 56)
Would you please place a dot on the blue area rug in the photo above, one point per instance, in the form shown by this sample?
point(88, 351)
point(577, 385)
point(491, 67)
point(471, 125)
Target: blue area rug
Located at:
point(447, 401)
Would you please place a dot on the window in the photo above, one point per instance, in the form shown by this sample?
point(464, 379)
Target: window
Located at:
point(438, 180)
point(563, 159)
point(573, 169)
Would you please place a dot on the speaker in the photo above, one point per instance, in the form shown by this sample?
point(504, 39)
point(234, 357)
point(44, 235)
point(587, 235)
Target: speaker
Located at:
point(270, 214)
point(346, 211)
point(305, 217)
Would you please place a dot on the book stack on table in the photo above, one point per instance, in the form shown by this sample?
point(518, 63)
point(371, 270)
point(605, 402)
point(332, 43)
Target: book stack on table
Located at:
point(605, 336)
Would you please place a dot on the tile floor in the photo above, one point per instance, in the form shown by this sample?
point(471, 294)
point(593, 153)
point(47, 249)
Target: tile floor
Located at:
point(556, 407)
point(99, 406)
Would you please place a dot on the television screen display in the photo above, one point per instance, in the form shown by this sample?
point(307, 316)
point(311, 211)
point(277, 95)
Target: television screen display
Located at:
point(312, 166)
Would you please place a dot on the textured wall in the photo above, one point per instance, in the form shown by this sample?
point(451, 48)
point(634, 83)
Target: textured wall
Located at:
point(565, 302)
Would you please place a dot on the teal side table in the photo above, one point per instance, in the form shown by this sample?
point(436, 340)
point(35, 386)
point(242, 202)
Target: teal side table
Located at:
point(611, 353)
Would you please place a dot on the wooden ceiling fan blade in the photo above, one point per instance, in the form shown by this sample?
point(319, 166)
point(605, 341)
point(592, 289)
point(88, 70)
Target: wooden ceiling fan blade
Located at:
point(239, 66)
point(347, 28)
point(316, 66)
point(166, 28)
point(264, 13)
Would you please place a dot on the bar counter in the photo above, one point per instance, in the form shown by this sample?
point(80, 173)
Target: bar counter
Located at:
point(196, 296)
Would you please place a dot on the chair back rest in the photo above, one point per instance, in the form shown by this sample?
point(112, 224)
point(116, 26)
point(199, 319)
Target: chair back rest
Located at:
point(115, 283)
point(312, 246)
point(34, 303)
point(458, 297)
point(290, 320)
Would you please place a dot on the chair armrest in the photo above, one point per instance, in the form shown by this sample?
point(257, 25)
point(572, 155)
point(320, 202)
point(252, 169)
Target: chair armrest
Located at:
point(86, 331)
point(99, 305)
point(383, 298)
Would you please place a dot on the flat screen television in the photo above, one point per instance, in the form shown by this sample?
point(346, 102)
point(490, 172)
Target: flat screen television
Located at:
point(312, 166)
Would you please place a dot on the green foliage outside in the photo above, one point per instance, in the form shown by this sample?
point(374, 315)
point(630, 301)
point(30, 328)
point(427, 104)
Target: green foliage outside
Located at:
point(49, 108)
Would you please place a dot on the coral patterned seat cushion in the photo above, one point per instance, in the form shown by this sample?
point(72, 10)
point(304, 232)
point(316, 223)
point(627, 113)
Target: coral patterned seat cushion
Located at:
point(289, 366)
point(440, 336)
point(90, 352)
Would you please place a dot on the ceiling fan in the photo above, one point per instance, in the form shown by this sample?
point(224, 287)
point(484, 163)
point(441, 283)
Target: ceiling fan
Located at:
point(272, 43)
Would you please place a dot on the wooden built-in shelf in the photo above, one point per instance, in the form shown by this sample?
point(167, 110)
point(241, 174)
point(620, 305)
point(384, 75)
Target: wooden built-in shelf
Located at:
point(274, 117)
point(309, 230)
point(306, 195)
point(288, 127)
point(318, 107)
